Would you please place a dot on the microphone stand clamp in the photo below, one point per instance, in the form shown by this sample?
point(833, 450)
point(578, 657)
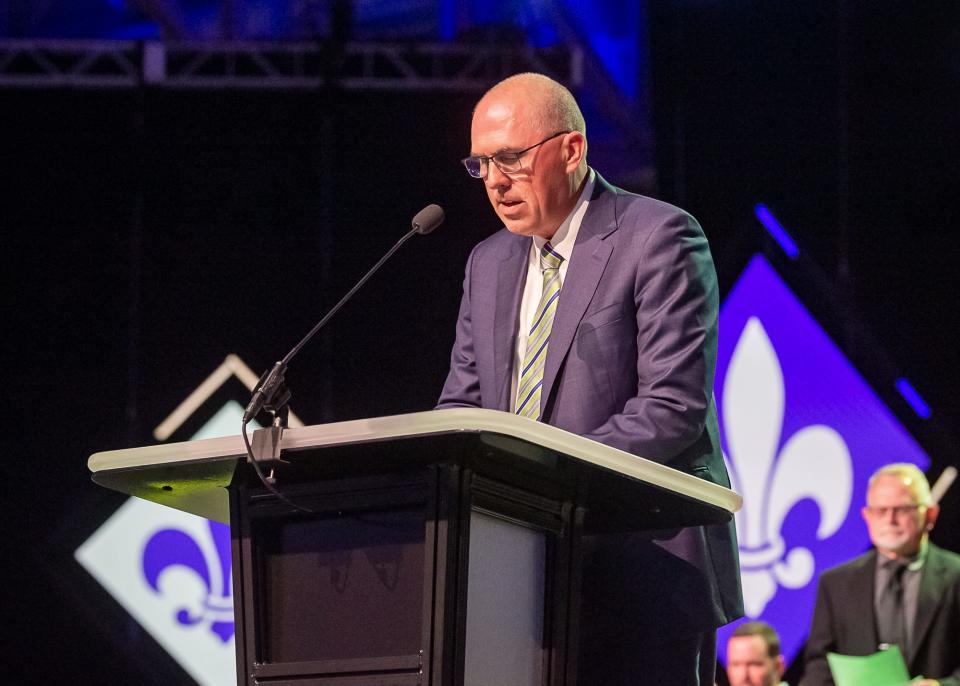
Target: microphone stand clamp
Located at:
point(272, 395)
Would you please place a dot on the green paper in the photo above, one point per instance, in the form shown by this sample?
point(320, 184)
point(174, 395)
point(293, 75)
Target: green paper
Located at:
point(883, 668)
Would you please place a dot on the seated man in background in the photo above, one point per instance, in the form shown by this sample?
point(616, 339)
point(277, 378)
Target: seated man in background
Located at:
point(904, 592)
point(753, 656)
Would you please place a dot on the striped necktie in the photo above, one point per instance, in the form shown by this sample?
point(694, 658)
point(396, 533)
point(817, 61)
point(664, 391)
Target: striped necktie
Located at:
point(531, 378)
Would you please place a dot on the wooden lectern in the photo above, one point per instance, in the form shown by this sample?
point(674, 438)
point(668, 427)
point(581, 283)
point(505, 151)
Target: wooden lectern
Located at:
point(440, 547)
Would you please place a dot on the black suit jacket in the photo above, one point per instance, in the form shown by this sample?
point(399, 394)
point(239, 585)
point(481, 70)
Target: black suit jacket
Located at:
point(843, 620)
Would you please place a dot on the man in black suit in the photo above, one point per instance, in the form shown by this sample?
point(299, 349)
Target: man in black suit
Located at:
point(905, 592)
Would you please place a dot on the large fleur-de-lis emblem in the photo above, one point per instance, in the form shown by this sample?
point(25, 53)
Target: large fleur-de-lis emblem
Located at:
point(209, 560)
point(773, 474)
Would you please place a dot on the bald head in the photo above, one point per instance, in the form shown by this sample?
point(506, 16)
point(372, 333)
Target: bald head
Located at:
point(550, 106)
point(536, 120)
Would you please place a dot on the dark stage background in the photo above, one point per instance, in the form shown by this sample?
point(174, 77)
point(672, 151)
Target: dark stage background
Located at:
point(149, 233)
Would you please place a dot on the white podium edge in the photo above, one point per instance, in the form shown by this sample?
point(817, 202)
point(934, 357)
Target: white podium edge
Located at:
point(423, 424)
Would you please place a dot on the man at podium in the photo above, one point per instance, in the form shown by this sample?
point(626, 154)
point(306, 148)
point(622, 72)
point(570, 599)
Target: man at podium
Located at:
point(595, 310)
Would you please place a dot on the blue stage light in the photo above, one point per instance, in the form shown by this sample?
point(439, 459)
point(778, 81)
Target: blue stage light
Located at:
point(913, 398)
point(776, 230)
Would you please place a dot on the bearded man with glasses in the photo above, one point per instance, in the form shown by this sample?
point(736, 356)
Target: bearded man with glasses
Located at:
point(595, 310)
point(904, 592)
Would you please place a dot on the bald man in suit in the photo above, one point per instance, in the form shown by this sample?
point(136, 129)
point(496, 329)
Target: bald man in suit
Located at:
point(626, 358)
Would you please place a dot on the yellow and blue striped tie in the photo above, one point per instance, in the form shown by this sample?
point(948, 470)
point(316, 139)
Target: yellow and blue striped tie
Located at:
point(531, 378)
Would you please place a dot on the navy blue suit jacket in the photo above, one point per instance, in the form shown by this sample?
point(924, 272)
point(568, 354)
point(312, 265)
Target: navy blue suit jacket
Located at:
point(630, 363)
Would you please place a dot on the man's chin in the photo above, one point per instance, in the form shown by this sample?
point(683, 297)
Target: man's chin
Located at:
point(519, 227)
point(894, 546)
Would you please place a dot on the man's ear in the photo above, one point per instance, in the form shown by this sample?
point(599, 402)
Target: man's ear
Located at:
point(781, 666)
point(574, 150)
point(930, 517)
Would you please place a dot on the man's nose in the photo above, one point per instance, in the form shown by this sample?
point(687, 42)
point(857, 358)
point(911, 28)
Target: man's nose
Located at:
point(495, 178)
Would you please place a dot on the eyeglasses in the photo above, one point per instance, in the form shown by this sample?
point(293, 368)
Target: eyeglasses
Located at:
point(507, 162)
point(898, 510)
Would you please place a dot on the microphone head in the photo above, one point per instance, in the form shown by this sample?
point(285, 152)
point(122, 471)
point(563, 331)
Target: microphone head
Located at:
point(427, 219)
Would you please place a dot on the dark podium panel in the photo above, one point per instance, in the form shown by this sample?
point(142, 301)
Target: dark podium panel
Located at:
point(434, 548)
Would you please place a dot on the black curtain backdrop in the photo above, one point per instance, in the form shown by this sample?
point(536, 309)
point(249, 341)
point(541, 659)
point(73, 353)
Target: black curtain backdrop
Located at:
point(150, 233)
point(842, 118)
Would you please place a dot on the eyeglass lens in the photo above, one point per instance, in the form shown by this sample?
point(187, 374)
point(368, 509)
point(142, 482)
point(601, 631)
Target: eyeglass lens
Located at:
point(507, 162)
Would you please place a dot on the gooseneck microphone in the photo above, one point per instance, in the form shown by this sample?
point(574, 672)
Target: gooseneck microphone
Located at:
point(270, 392)
point(426, 220)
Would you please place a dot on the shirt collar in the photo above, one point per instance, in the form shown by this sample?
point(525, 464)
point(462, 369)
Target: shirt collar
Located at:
point(566, 235)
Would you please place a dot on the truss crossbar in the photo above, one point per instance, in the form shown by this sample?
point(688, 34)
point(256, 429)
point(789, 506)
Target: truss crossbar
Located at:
point(273, 65)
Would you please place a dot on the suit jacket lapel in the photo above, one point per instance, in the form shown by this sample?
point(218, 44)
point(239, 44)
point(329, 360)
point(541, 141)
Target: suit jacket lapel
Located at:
point(931, 580)
point(587, 263)
point(511, 273)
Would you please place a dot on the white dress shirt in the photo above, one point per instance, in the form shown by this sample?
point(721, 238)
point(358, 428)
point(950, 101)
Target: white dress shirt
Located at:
point(562, 243)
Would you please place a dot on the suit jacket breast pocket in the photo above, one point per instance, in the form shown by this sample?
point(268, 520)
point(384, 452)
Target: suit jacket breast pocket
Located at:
point(607, 335)
point(602, 317)
point(606, 343)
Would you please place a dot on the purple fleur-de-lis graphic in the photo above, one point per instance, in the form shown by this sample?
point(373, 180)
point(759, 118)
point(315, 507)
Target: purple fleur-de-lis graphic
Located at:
point(211, 563)
point(773, 475)
point(801, 431)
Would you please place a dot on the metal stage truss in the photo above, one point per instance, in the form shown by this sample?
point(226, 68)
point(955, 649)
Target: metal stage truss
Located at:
point(112, 64)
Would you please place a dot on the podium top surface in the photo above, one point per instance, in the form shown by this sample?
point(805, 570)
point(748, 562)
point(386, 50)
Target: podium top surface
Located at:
point(193, 476)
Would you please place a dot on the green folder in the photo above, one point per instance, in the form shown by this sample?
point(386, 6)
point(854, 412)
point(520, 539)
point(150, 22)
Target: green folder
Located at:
point(883, 668)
